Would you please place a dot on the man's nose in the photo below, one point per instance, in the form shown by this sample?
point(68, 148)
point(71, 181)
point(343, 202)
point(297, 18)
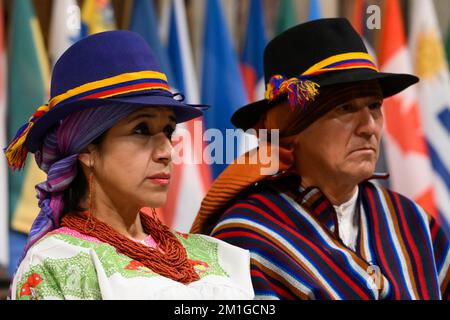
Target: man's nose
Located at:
point(367, 122)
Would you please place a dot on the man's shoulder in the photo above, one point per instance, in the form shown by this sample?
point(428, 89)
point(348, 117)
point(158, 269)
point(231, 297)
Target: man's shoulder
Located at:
point(257, 195)
point(267, 188)
point(394, 197)
point(263, 203)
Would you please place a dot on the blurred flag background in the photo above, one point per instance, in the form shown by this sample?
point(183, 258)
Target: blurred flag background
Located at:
point(211, 50)
point(253, 49)
point(65, 27)
point(97, 16)
point(429, 61)
point(143, 20)
point(191, 179)
point(286, 16)
point(28, 88)
point(404, 139)
point(4, 250)
point(315, 10)
point(221, 83)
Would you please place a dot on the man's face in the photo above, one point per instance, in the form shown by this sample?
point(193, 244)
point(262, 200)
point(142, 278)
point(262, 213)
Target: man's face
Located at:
point(343, 144)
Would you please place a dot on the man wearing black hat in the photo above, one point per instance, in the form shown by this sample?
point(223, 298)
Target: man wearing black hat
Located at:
point(319, 228)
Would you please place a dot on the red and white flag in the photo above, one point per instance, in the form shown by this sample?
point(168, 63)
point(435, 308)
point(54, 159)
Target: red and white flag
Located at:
point(359, 23)
point(404, 140)
point(430, 65)
point(191, 179)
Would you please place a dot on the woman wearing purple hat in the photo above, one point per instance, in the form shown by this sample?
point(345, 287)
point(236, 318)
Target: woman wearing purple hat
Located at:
point(104, 140)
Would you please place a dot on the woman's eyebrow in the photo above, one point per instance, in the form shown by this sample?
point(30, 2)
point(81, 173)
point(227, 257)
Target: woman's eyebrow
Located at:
point(150, 116)
point(139, 116)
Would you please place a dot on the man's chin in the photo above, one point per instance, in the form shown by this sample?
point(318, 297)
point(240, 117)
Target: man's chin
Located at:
point(360, 172)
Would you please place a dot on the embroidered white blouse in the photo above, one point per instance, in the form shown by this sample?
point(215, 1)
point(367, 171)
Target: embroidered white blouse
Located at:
point(68, 265)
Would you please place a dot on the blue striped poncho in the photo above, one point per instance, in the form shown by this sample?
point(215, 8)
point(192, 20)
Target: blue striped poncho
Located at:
point(296, 253)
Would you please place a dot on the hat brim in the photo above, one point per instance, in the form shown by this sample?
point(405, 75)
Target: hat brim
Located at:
point(391, 83)
point(183, 112)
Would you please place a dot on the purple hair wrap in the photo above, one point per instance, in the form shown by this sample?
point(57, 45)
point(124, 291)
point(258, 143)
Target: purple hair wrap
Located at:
point(58, 157)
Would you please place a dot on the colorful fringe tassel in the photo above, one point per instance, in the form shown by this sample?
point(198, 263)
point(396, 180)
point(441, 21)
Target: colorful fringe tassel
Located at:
point(16, 152)
point(299, 91)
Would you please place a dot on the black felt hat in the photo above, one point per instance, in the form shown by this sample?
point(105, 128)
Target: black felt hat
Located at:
point(311, 56)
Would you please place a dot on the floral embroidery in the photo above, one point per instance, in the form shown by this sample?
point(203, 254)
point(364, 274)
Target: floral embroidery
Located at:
point(204, 253)
point(136, 265)
point(199, 249)
point(184, 235)
point(60, 278)
point(111, 260)
point(199, 266)
point(28, 288)
point(80, 265)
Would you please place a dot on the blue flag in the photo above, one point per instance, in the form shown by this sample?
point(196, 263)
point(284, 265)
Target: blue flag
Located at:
point(191, 179)
point(143, 21)
point(315, 11)
point(222, 85)
point(252, 56)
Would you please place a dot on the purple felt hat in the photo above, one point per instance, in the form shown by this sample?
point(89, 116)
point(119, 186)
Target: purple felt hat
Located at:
point(104, 69)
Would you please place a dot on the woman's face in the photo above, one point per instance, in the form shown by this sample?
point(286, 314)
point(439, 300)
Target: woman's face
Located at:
point(133, 164)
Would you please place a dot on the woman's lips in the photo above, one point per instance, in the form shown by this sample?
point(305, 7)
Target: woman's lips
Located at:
point(161, 182)
point(162, 179)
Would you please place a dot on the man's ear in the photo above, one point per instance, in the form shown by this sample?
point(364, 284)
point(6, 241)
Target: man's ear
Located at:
point(297, 141)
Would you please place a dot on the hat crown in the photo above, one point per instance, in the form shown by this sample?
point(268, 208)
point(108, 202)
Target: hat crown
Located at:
point(100, 56)
point(309, 43)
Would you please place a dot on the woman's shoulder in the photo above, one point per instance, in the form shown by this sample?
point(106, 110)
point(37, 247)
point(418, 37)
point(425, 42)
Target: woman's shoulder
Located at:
point(220, 261)
point(51, 267)
point(211, 255)
point(67, 234)
point(208, 248)
point(193, 241)
point(60, 240)
point(64, 241)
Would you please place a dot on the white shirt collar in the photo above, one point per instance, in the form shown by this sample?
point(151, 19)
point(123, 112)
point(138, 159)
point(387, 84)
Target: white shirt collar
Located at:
point(348, 206)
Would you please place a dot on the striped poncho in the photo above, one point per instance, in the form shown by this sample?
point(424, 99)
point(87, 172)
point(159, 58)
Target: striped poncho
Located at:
point(296, 253)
